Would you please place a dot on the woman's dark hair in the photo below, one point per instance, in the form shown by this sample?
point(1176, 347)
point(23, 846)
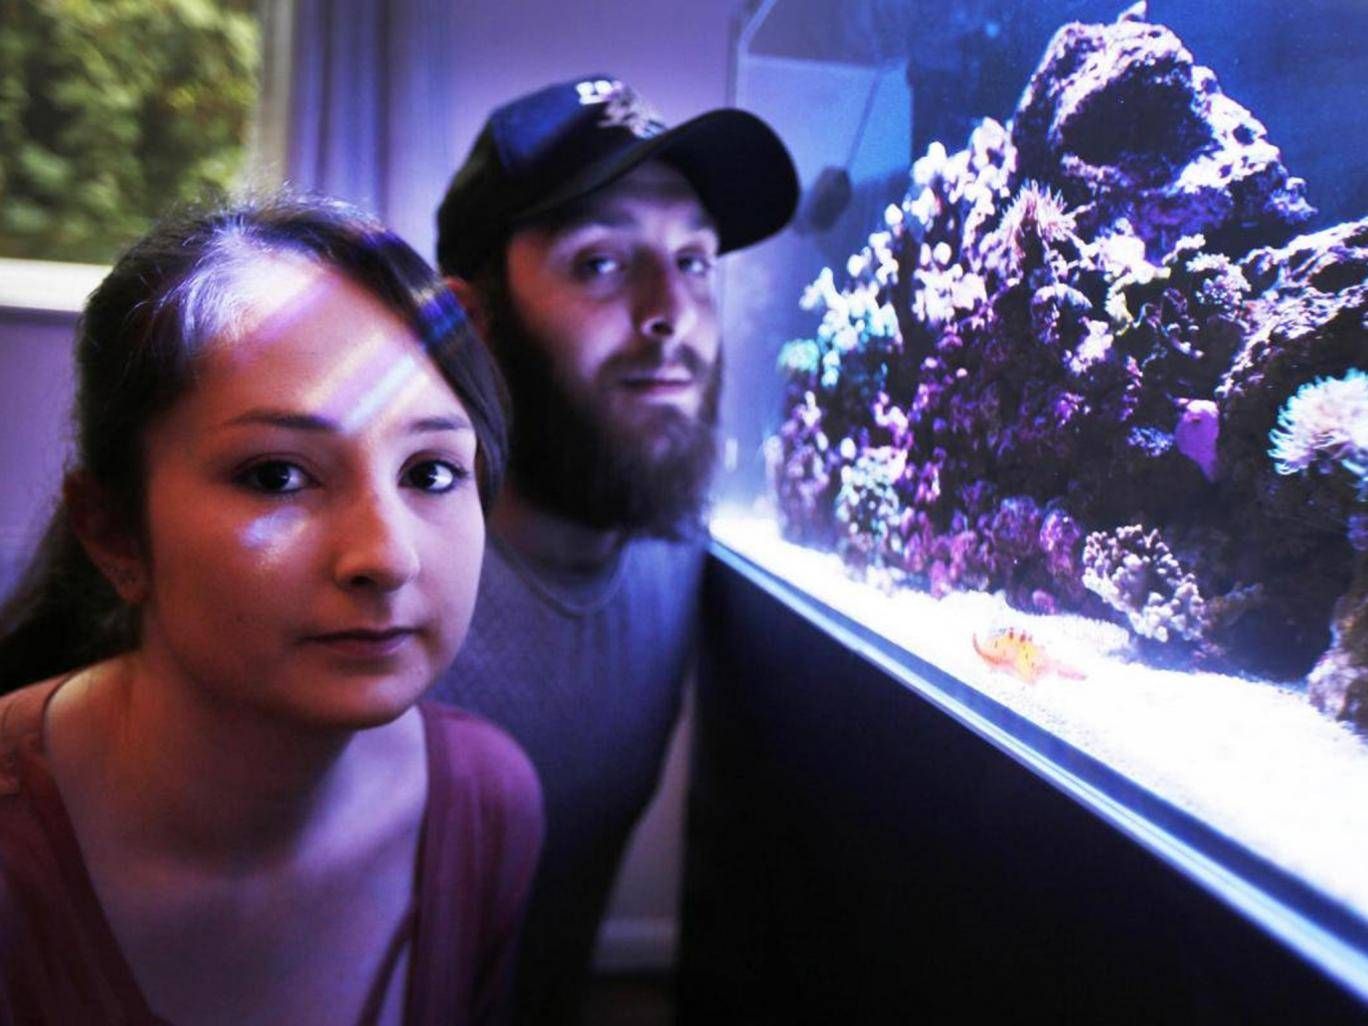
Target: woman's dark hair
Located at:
point(169, 295)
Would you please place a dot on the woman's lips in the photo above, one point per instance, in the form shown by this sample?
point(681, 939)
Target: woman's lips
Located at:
point(365, 643)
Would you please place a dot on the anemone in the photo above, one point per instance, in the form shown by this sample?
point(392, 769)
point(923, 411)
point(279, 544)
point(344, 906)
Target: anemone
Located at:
point(1036, 215)
point(1325, 425)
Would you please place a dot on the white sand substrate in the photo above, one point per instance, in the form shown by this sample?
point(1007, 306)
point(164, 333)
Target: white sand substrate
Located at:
point(1252, 759)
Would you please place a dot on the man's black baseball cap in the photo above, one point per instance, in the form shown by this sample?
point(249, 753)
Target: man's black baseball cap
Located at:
point(562, 142)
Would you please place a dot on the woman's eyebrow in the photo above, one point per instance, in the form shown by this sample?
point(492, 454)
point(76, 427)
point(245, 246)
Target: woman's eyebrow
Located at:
point(296, 421)
point(450, 423)
point(291, 419)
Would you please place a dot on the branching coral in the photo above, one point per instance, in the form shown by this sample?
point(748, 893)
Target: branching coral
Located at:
point(799, 461)
point(869, 509)
point(1135, 572)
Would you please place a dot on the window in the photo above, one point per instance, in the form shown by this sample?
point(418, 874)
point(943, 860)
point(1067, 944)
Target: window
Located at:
point(111, 111)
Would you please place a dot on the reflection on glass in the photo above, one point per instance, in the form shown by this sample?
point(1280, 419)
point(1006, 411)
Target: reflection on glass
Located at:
point(1075, 405)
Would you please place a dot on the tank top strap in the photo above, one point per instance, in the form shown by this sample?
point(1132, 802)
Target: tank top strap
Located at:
point(384, 979)
point(21, 714)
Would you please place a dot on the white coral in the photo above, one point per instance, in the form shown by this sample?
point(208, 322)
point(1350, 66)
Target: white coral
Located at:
point(1325, 423)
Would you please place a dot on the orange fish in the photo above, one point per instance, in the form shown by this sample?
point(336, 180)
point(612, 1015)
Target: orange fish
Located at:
point(1014, 650)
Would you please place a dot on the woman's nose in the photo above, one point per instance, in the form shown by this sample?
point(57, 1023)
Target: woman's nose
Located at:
point(375, 548)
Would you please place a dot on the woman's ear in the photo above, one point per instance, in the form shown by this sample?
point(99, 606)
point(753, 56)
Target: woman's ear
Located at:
point(106, 539)
point(472, 302)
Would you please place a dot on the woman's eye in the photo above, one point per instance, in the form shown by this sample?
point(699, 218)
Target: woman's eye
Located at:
point(275, 477)
point(433, 476)
point(598, 266)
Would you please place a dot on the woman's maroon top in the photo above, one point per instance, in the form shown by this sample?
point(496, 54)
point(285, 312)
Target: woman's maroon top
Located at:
point(481, 834)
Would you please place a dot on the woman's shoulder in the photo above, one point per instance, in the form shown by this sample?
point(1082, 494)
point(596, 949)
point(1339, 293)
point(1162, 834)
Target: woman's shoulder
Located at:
point(483, 781)
point(21, 711)
point(472, 744)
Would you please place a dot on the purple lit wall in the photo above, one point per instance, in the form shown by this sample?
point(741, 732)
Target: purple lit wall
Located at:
point(35, 393)
point(386, 100)
point(676, 55)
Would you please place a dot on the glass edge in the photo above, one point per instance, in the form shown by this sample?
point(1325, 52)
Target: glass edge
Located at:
point(1322, 931)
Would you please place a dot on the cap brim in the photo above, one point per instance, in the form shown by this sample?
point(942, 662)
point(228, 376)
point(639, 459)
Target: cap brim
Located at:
point(738, 166)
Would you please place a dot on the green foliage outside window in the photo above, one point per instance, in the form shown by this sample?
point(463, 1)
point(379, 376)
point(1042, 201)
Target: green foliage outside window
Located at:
point(111, 111)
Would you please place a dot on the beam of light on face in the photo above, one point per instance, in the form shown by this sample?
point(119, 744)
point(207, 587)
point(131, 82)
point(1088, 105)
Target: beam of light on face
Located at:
point(386, 392)
point(272, 295)
point(364, 380)
point(273, 535)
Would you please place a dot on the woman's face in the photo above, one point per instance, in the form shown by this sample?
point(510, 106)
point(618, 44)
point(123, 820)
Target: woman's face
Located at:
point(314, 531)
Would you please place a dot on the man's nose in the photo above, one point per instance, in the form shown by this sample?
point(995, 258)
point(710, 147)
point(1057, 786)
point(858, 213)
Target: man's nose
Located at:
point(374, 544)
point(667, 308)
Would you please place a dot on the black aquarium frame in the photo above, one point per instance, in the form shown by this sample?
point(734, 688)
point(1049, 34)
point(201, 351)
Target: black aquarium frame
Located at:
point(873, 841)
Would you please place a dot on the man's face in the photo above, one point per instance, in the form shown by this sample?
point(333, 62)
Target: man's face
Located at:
point(608, 334)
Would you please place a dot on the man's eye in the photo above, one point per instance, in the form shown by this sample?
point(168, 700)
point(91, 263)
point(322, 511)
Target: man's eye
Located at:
point(696, 263)
point(274, 477)
point(434, 476)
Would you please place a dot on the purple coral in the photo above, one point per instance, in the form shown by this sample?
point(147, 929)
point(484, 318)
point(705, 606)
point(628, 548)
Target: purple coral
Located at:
point(1196, 433)
point(799, 461)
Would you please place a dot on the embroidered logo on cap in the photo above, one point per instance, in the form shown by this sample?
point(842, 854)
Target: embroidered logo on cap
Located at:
point(622, 107)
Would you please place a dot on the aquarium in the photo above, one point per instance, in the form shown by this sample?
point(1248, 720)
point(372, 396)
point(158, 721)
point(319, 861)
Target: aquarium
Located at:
point(1059, 381)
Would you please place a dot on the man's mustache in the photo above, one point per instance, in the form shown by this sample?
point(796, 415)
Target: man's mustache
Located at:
point(682, 357)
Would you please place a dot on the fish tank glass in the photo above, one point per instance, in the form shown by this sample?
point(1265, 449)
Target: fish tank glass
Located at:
point(1059, 380)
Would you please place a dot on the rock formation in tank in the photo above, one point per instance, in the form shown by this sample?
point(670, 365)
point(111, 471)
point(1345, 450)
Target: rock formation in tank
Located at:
point(1064, 369)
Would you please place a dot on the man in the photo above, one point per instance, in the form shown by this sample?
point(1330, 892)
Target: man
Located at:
point(582, 235)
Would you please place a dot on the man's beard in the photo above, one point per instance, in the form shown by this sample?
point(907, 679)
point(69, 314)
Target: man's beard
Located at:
point(569, 456)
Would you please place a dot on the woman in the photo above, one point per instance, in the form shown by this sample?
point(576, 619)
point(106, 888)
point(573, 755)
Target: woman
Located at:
point(224, 805)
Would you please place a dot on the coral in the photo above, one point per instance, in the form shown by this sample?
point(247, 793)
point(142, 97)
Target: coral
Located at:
point(1182, 321)
point(799, 464)
point(1308, 324)
point(1135, 572)
point(869, 508)
point(1197, 432)
point(1338, 684)
point(1312, 300)
point(937, 234)
point(1034, 237)
point(1064, 331)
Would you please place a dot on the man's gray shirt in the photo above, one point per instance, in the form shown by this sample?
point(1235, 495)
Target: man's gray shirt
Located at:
point(586, 672)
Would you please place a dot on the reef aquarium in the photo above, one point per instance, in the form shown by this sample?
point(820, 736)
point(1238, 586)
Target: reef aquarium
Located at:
point(1053, 405)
